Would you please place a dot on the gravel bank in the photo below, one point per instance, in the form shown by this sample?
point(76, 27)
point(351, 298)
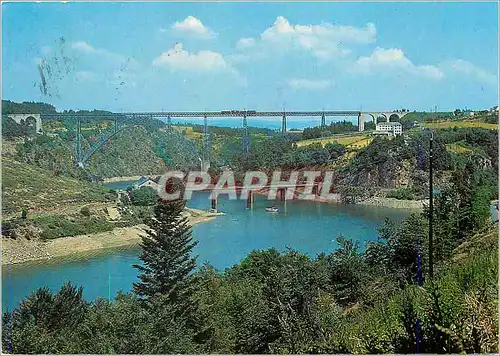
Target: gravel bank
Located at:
point(22, 250)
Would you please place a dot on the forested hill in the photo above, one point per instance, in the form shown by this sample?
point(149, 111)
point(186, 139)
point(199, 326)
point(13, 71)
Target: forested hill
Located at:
point(133, 151)
point(402, 164)
point(26, 107)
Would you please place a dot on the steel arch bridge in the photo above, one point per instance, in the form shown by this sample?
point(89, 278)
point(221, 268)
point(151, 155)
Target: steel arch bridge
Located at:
point(82, 157)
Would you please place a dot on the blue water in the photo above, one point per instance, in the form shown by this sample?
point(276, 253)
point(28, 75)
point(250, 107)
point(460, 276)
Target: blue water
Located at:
point(122, 185)
point(306, 226)
point(273, 123)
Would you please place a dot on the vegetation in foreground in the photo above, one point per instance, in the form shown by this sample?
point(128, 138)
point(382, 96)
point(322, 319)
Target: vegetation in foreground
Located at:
point(346, 301)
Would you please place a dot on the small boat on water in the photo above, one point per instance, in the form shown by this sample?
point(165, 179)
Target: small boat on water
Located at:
point(272, 209)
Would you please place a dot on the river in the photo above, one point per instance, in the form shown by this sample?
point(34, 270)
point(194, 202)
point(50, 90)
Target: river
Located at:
point(309, 227)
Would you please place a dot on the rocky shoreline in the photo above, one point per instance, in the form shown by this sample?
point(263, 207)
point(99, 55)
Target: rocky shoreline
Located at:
point(394, 203)
point(373, 201)
point(15, 251)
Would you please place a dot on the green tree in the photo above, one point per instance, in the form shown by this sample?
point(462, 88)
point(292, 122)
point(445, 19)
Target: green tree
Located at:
point(398, 247)
point(143, 196)
point(44, 322)
point(167, 263)
point(347, 270)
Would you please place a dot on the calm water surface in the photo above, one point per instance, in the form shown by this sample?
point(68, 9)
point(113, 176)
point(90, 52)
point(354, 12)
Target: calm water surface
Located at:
point(306, 226)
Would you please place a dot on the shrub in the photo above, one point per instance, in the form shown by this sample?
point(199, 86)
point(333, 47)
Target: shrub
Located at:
point(143, 196)
point(402, 194)
point(85, 211)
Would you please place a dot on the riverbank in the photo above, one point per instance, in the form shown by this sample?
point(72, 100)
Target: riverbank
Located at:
point(22, 250)
point(394, 203)
point(121, 179)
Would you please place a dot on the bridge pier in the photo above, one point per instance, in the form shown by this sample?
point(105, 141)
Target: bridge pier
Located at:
point(361, 123)
point(78, 148)
point(250, 200)
point(323, 120)
point(214, 204)
point(283, 124)
point(169, 124)
point(246, 138)
point(282, 194)
point(206, 145)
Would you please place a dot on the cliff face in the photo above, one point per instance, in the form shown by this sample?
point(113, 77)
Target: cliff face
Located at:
point(388, 174)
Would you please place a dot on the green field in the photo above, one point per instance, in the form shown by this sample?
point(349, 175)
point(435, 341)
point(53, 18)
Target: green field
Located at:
point(460, 124)
point(356, 141)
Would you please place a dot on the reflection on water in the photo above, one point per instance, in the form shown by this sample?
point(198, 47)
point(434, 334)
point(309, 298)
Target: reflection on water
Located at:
point(306, 226)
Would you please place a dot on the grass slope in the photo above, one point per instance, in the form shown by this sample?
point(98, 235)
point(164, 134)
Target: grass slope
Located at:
point(349, 141)
point(25, 185)
point(460, 124)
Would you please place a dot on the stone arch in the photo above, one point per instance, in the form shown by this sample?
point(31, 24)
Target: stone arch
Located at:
point(381, 116)
point(33, 120)
point(394, 117)
point(364, 117)
point(30, 123)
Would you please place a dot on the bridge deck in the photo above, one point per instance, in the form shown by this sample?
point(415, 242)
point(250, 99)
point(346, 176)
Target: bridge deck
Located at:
point(202, 114)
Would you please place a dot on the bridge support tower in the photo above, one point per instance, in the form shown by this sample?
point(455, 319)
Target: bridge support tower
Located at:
point(206, 145)
point(283, 124)
point(78, 147)
point(282, 194)
point(250, 200)
point(361, 123)
point(246, 138)
point(169, 124)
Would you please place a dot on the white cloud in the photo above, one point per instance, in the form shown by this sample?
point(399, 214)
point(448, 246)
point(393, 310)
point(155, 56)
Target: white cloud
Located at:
point(103, 54)
point(84, 75)
point(245, 43)
point(394, 59)
point(177, 58)
point(308, 84)
point(467, 68)
point(83, 47)
point(193, 26)
point(323, 40)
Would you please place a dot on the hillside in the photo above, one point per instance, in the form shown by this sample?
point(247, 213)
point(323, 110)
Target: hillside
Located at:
point(37, 189)
point(401, 164)
point(128, 153)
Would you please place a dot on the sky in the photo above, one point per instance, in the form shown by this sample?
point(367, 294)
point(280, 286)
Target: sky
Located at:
point(255, 56)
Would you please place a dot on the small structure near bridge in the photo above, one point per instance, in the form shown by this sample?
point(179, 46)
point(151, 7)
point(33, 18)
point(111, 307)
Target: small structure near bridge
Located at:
point(147, 182)
point(389, 129)
point(30, 119)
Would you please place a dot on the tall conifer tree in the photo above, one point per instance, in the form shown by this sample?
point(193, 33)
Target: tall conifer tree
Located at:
point(167, 262)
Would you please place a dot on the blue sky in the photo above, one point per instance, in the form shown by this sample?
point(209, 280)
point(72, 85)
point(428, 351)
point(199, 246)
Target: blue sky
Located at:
point(259, 56)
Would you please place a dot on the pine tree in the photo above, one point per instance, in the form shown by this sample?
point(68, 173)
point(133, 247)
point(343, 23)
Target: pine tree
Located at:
point(167, 263)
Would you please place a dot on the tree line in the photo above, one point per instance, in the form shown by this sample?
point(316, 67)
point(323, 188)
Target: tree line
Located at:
point(351, 300)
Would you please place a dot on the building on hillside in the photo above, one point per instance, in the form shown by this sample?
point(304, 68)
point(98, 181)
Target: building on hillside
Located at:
point(146, 182)
point(389, 128)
